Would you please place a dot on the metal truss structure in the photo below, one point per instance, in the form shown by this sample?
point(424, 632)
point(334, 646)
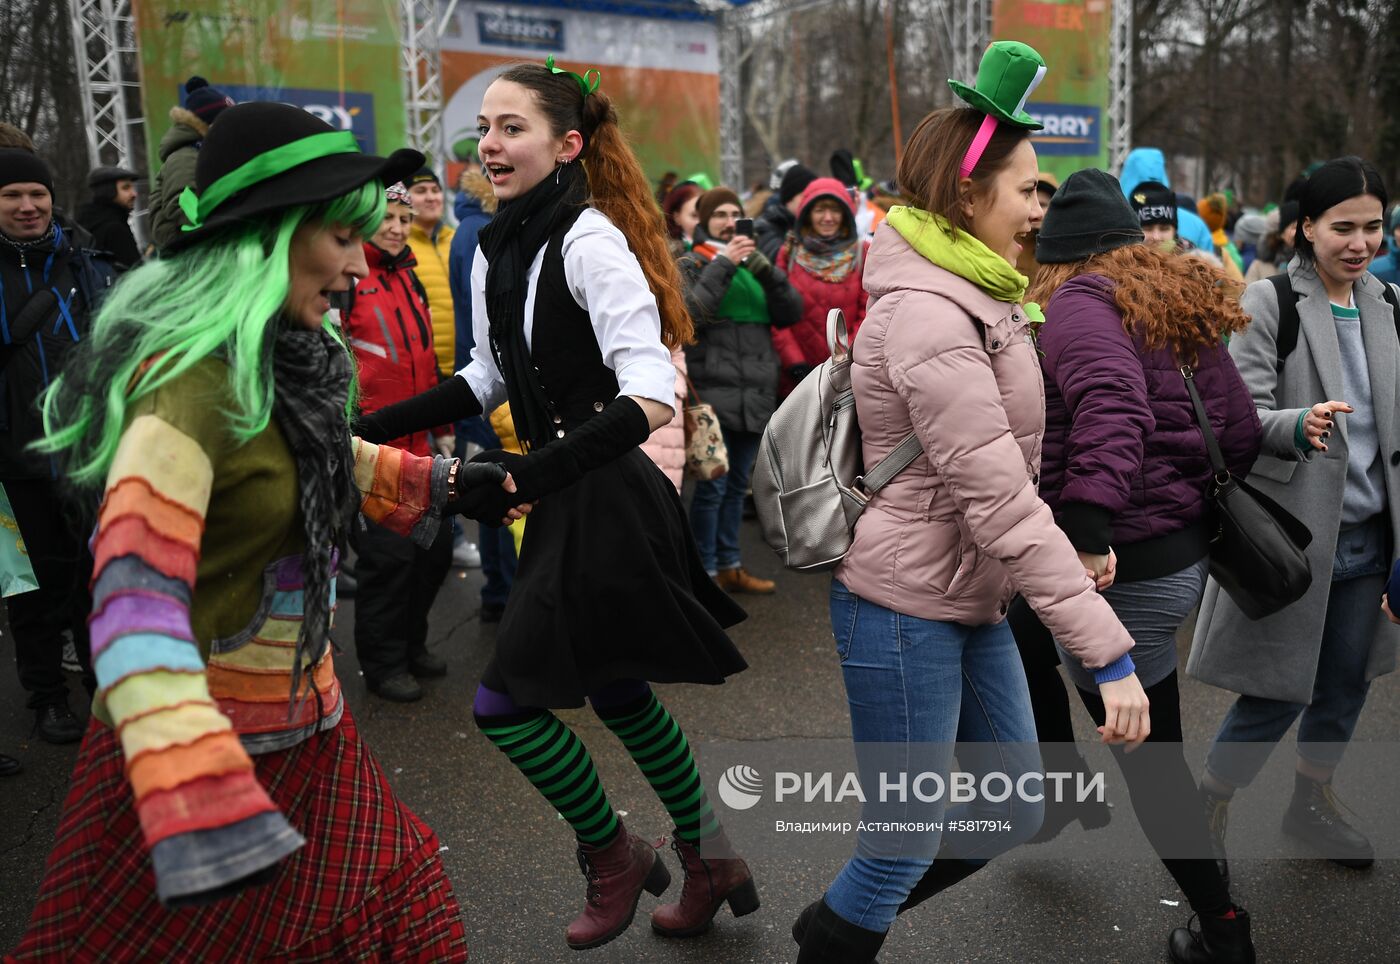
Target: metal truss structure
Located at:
point(1120, 84)
point(109, 79)
point(967, 29)
point(423, 23)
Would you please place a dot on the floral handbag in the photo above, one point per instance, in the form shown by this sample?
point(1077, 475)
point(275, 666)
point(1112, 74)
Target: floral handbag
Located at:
point(706, 457)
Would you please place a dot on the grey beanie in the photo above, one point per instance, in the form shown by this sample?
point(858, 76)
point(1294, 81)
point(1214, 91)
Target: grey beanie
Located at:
point(1087, 216)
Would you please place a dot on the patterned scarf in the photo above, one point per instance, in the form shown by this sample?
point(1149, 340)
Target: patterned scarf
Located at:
point(311, 374)
point(830, 259)
point(520, 228)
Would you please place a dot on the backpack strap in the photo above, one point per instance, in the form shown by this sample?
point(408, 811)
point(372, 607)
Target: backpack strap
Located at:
point(1392, 298)
point(899, 459)
point(1288, 321)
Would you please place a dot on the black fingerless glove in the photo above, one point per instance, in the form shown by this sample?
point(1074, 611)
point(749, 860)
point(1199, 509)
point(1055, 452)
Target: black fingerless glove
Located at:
point(449, 401)
point(477, 485)
point(605, 437)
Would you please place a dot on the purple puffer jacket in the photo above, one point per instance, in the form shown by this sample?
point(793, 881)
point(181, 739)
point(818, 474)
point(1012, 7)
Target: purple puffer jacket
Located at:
point(1124, 460)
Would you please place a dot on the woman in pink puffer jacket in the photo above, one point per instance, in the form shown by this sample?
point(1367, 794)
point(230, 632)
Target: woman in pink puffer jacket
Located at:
point(666, 447)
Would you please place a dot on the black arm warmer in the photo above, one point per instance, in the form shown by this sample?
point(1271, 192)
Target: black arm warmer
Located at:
point(605, 437)
point(449, 401)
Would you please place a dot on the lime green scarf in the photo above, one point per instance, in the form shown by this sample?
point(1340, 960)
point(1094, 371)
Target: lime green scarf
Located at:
point(963, 255)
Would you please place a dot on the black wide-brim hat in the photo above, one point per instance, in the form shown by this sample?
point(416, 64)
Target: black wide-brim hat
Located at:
point(262, 157)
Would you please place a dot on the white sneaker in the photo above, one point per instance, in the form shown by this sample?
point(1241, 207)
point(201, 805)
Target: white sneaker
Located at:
point(466, 556)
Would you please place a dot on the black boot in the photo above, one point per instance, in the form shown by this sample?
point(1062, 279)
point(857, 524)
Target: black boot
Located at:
point(1217, 816)
point(943, 873)
point(1314, 816)
point(828, 938)
point(1221, 940)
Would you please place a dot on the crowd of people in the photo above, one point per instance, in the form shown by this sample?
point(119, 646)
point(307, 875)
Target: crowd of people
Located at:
point(308, 341)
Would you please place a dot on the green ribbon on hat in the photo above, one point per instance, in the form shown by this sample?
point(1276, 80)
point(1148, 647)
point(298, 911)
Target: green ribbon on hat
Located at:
point(587, 82)
point(279, 160)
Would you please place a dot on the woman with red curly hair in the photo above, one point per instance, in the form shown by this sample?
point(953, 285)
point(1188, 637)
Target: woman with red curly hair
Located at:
point(1125, 470)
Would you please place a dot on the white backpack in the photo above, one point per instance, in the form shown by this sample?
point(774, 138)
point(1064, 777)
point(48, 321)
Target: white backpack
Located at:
point(808, 484)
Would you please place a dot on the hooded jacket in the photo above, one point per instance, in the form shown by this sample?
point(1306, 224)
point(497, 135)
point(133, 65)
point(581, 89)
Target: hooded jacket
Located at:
point(805, 342)
point(386, 326)
point(179, 153)
point(954, 535)
point(432, 251)
point(71, 282)
point(1125, 464)
point(1149, 164)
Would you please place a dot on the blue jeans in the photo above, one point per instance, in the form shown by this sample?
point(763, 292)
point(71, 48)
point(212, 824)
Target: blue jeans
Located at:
point(1359, 572)
point(718, 507)
point(927, 685)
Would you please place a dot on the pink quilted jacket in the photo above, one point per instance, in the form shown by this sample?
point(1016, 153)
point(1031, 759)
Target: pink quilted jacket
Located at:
point(958, 531)
point(666, 447)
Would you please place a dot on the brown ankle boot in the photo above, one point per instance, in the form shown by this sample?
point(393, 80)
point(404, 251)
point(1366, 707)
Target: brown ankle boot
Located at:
point(709, 881)
point(617, 874)
point(738, 579)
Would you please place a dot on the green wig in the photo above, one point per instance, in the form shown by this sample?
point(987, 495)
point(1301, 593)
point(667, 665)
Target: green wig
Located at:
point(222, 298)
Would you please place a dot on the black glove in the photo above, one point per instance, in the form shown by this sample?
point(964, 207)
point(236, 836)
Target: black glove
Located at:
point(800, 371)
point(605, 437)
point(449, 401)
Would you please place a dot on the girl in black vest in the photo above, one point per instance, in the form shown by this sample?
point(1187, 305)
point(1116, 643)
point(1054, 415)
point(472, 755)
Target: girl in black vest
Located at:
point(576, 306)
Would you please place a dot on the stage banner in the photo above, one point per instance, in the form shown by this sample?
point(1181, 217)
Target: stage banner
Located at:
point(1072, 101)
point(338, 59)
point(661, 71)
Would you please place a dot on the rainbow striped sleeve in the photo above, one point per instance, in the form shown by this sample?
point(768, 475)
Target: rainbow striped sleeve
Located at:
point(400, 491)
point(206, 818)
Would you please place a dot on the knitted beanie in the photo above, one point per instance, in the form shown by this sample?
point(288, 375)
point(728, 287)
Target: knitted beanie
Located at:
point(1250, 229)
point(1087, 216)
point(203, 101)
point(712, 199)
point(1154, 203)
point(422, 176)
point(18, 166)
point(795, 181)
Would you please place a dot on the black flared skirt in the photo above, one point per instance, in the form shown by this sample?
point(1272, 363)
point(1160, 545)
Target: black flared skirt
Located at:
point(610, 587)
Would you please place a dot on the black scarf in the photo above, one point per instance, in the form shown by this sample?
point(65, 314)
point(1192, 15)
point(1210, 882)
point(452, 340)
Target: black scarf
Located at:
point(311, 374)
point(520, 228)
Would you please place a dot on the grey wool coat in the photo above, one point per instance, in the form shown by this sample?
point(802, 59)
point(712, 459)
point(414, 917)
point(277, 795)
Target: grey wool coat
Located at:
point(1276, 657)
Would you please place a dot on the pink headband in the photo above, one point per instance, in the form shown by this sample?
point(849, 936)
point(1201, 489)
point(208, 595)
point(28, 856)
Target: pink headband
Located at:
point(978, 146)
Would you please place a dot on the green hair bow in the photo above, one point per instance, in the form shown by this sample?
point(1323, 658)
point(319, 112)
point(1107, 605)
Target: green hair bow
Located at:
point(588, 81)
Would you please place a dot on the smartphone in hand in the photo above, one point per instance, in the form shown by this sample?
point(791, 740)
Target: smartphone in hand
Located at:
point(744, 226)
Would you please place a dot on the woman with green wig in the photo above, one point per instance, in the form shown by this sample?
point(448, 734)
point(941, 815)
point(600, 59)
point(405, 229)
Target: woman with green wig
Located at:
point(223, 806)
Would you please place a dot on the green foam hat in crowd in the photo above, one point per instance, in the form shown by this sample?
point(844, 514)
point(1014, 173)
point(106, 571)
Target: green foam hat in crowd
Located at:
point(1009, 72)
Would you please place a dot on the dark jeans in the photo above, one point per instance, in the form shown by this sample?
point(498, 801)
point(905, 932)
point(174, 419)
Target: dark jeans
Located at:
point(717, 510)
point(398, 582)
point(497, 547)
point(63, 567)
point(1254, 724)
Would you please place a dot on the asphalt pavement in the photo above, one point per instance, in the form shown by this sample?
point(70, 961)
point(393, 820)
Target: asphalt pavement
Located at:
point(511, 858)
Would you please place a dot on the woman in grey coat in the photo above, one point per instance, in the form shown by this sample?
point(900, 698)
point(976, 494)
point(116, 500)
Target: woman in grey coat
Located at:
point(1317, 657)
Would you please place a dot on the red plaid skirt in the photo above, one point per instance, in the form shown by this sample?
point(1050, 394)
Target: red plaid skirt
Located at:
point(368, 885)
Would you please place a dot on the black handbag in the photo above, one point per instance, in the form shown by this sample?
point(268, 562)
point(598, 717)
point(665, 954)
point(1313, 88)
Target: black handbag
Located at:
point(1257, 548)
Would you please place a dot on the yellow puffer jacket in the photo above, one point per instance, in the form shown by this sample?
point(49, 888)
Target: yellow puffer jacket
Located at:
point(504, 428)
point(432, 272)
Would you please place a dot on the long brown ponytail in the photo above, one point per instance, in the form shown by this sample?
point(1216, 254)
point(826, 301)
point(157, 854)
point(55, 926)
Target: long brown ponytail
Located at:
point(617, 185)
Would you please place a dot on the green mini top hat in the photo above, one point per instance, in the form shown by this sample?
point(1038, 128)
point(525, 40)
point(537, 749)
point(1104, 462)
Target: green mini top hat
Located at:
point(1009, 72)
